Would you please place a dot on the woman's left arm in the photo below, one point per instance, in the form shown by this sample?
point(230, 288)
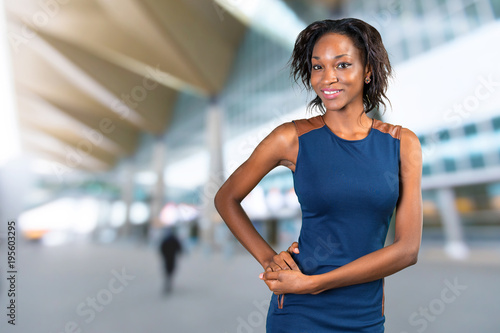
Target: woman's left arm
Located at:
point(381, 263)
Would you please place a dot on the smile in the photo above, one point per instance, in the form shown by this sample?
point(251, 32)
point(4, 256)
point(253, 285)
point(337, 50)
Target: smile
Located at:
point(331, 94)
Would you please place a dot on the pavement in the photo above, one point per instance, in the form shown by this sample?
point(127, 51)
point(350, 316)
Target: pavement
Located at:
point(86, 287)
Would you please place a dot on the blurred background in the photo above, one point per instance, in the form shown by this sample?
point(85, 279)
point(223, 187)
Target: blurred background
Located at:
point(121, 119)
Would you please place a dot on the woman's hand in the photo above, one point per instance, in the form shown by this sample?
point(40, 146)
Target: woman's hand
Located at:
point(289, 282)
point(284, 260)
point(294, 248)
point(283, 276)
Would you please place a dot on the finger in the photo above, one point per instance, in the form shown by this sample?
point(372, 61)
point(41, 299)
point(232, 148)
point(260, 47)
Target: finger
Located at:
point(288, 261)
point(278, 260)
point(273, 267)
point(272, 285)
point(291, 263)
point(271, 275)
point(294, 248)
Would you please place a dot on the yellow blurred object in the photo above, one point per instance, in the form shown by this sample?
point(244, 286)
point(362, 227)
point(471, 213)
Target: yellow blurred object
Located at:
point(429, 208)
point(34, 234)
point(464, 205)
point(495, 202)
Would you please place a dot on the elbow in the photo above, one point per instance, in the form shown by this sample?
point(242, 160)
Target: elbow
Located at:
point(411, 257)
point(408, 255)
point(222, 199)
point(218, 200)
point(407, 252)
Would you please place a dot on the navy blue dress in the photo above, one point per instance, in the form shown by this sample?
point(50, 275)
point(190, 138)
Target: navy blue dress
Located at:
point(348, 190)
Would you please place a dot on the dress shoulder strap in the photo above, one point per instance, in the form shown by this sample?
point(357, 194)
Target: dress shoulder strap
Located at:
point(393, 130)
point(304, 126)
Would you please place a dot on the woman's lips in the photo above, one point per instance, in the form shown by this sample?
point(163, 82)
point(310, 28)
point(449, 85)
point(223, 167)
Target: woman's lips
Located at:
point(331, 93)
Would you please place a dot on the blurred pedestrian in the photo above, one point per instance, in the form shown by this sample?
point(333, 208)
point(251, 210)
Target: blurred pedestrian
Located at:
point(170, 248)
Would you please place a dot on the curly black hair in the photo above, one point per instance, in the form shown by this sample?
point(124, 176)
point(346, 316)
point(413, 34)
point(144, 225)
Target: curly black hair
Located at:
point(365, 37)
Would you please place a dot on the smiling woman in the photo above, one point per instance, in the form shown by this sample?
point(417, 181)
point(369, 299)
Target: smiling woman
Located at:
point(367, 45)
point(350, 172)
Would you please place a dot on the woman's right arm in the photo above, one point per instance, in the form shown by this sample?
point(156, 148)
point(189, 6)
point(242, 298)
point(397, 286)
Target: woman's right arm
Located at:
point(280, 147)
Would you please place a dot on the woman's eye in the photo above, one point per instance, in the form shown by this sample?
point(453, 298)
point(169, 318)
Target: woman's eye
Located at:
point(343, 65)
point(316, 67)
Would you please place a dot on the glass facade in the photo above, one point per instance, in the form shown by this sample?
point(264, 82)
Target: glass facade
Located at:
point(260, 91)
point(259, 87)
point(470, 147)
point(412, 27)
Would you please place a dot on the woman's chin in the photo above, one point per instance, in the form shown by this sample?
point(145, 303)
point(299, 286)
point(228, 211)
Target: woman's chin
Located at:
point(329, 106)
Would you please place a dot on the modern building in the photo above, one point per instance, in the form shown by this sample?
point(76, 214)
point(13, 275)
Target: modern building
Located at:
point(144, 103)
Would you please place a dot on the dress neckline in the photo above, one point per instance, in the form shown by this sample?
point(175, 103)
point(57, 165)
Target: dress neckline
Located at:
point(338, 137)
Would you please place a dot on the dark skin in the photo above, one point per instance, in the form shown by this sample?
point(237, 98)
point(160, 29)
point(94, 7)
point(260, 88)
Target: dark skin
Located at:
point(337, 66)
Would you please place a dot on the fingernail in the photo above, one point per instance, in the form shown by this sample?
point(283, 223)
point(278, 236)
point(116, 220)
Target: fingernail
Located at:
point(261, 276)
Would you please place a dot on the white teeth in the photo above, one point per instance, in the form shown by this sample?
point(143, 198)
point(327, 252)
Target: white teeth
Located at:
point(331, 92)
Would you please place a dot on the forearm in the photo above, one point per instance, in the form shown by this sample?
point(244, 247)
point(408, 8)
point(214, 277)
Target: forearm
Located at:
point(370, 267)
point(242, 228)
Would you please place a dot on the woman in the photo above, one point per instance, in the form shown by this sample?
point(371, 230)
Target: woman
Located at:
point(350, 171)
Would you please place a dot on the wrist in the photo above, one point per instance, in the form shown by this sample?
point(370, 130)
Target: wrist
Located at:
point(315, 284)
point(265, 264)
point(267, 261)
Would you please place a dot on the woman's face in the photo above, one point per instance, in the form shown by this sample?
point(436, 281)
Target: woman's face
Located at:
point(338, 73)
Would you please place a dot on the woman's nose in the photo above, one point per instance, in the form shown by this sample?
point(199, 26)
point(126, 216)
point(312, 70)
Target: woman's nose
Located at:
point(330, 76)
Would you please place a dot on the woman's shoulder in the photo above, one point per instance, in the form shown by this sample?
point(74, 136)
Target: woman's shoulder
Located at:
point(288, 133)
point(282, 142)
point(410, 143)
point(293, 129)
point(393, 130)
point(305, 125)
point(399, 132)
point(408, 135)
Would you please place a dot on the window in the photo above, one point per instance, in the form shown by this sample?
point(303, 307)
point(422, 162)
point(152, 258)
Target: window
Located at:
point(444, 135)
point(477, 161)
point(496, 124)
point(426, 169)
point(441, 3)
point(496, 8)
point(426, 43)
point(472, 15)
point(405, 49)
point(418, 7)
point(470, 129)
point(449, 165)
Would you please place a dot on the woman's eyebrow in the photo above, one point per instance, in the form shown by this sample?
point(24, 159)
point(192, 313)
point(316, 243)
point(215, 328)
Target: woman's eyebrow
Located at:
point(336, 57)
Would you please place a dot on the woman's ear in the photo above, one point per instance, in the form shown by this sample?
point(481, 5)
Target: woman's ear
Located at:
point(368, 71)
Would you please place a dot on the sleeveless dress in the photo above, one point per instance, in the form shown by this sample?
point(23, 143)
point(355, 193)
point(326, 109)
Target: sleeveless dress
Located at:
point(347, 190)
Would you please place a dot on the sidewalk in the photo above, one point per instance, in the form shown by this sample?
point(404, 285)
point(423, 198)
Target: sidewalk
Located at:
point(117, 288)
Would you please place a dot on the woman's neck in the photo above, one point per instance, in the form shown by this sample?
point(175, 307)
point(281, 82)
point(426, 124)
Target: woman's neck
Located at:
point(348, 125)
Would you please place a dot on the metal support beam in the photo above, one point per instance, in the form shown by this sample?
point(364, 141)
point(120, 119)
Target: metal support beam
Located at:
point(158, 191)
point(455, 244)
point(209, 217)
point(127, 192)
